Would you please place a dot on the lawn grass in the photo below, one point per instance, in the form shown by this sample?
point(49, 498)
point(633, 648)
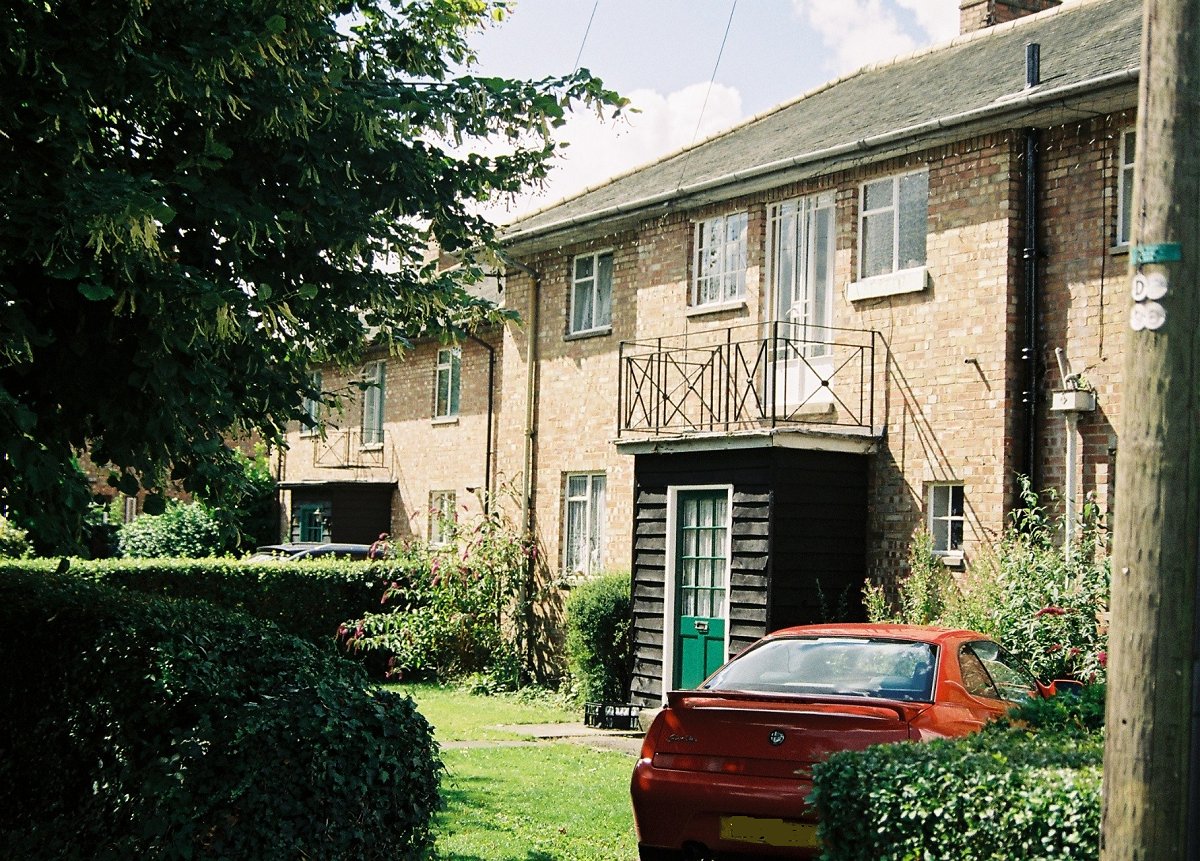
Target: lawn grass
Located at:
point(460, 716)
point(554, 802)
point(543, 802)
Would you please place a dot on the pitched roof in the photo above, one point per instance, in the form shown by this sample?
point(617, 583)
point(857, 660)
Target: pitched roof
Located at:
point(1087, 47)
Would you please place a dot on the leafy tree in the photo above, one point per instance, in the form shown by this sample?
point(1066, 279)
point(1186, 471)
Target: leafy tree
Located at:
point(201, 199)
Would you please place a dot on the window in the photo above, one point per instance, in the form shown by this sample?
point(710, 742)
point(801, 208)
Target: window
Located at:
point(892, 224)
point(702, 539)
point(584, 532)
point(312, 407)
point(946, 518)
point(719, 266)
point(591, 292)
point(1125, 188)
point(448, 382)
point(441, 517)
point(989, 671)
point(801, 273)
point(373, 395)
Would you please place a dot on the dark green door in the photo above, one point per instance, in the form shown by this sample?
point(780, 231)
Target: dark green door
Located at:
point(701, 561)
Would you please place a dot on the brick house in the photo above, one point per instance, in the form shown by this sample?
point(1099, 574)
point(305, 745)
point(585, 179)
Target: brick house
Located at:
point(750, 371)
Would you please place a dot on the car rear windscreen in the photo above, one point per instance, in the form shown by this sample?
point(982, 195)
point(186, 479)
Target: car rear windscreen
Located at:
point(889, 669)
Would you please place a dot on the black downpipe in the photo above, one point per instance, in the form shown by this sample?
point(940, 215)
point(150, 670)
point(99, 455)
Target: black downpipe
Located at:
point(1029, 351)
point(1030, 255)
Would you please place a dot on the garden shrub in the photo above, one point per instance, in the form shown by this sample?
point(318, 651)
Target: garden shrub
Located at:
point(14, 541)
point(457, 611)
point(599, 638)
point(309, 599)
point(131, 726)
point(185, 530)
point(1046, 608)
point(994, 796)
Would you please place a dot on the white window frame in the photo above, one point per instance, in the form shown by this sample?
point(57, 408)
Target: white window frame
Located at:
point(449, 367)
point(895, 207)
point(718, 267)
point(940, 502)
point(442, 517)
point(312, 406)
point(670, 596)
point(592, 560)
point(593, 284)
point(1126, 153)
point(374, 398)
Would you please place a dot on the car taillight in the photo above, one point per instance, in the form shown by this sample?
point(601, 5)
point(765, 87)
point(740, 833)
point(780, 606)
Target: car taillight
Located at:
point(692, 762)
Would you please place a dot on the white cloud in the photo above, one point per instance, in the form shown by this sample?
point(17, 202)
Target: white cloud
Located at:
point(859, 32)
point(938, 19)
point(599, 150)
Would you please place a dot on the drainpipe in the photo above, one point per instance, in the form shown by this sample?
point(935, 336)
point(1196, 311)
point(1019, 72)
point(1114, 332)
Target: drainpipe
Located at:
point(1030, 254)
point(491, 409)
point(528, 509)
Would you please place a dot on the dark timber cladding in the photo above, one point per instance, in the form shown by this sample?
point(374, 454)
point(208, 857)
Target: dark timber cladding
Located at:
point(798, 543)
point(358, 512)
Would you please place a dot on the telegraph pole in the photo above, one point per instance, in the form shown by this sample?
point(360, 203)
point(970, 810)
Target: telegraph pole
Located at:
point(1152, 753)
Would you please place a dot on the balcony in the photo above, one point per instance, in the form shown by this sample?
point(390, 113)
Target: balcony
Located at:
point(750, 378)
point(344, 448)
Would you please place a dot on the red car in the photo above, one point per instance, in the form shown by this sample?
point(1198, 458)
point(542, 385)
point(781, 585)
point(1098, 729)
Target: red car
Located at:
point(726, 769)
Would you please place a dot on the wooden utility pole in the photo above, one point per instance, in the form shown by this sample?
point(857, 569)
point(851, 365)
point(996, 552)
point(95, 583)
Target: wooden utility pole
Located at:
point(1152, 756)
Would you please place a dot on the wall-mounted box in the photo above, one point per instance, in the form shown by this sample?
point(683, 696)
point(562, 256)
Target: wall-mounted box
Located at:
point(1073, 401)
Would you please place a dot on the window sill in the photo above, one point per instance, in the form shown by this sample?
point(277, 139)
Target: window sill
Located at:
point(588, 333)
point(716, 308)
point(1119, 249)
point(892, 284)
point(444, 420)
point(371, 446)
point(951, 559)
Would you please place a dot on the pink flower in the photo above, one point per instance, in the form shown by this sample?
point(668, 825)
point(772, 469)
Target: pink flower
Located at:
point(1057, 647)
point(1103, 659)
point(1073, 652)
point(1050, 611)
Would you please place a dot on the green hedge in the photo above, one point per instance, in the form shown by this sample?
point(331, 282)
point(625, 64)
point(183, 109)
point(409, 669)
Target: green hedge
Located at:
point(309, 599)
point(131, 726)
point(994, 796)
point(600, 638)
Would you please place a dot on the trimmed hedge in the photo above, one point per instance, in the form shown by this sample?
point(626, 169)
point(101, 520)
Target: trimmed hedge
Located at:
point(309, 599)
point(132, 726)
point(600, 638)
point(994, 796)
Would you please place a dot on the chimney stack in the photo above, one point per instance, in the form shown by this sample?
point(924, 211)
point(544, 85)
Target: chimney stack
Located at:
point(978, 14)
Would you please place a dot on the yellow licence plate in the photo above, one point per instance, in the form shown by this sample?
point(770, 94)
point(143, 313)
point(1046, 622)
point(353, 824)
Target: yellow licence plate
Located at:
point(769, 832)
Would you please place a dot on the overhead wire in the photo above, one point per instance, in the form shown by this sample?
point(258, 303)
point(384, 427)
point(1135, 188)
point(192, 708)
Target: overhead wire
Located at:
point(708, 92)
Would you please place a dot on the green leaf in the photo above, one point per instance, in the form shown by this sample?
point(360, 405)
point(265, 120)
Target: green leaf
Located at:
point(95, 292)
point(277, 24)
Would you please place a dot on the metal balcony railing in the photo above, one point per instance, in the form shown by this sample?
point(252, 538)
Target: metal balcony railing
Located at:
point(748, 377)
point(345, 448)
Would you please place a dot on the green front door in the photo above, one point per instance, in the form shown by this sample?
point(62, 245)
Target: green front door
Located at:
point(701, 562)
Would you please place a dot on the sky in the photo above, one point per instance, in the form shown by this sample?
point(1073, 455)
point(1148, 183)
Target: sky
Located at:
point(661, 54)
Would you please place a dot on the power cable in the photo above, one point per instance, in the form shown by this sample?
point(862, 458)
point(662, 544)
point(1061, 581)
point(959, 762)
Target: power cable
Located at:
point(707, 93)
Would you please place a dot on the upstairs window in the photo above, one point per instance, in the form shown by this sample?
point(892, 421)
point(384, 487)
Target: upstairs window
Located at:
point(719, 265)
point(591, 293)
point(373, 400)
point(447, 382)
point(1125, 188)
point(893, 220)
point(312, 407)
